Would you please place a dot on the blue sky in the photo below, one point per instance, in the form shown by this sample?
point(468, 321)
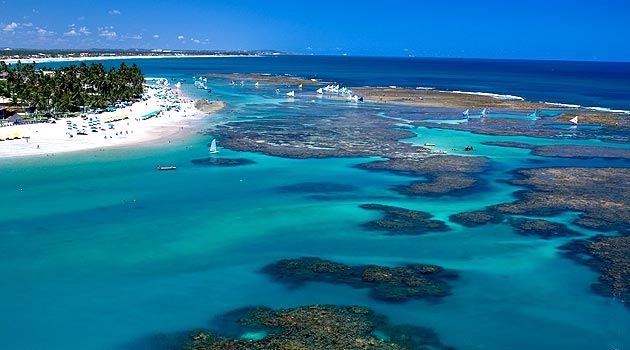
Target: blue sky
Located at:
point(536, 29)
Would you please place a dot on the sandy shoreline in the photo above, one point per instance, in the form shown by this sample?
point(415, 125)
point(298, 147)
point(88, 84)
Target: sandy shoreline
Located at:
point(44, 139)
point(28, 60)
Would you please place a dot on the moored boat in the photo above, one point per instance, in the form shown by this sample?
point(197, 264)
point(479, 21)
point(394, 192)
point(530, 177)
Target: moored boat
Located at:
point(166, 167)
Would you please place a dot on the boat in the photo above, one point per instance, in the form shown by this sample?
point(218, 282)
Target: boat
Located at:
point(483, 112)
point(320, 91)
point(465, 113)
point(574, 120)
point(213, 147)
point(291, 93)
point(429, 144)
point(534, 114)
point(166, 167)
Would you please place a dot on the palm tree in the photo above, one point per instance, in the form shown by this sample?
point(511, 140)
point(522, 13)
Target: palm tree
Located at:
point(69, 88)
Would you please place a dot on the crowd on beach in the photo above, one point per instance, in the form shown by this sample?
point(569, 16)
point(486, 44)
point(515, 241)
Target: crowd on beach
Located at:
point(162, 111)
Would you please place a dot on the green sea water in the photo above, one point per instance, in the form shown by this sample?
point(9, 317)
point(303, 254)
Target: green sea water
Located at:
point(101, 251)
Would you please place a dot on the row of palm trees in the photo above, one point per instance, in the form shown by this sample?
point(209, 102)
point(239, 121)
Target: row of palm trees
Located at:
point(68, 89)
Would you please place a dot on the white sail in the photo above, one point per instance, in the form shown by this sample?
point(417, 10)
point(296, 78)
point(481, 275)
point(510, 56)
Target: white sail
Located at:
point(213, 146)
point(320, 91)
point(483, 112)
point(465, 113)
point(574, 120)
point(291, 93)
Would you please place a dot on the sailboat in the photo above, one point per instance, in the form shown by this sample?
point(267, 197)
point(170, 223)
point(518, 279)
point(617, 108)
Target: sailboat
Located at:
point(213, 147)
point(465, 113)
point(483, 112)
point(320, 91)
point(291, 93)
point(574, 120)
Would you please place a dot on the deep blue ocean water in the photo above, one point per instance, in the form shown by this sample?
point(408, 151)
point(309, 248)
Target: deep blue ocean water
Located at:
point(100, 251)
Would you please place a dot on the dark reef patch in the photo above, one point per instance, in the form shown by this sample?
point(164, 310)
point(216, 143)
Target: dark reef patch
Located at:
point(306, 136)
point(609, 256)
point(567, 151)
point(601, 195)
point(477, 218)
point(227, 162)
point(401, 221)
point(541, 228)
point(355, 133)
point(393, 284)
point(444, 175)
point(317, 327)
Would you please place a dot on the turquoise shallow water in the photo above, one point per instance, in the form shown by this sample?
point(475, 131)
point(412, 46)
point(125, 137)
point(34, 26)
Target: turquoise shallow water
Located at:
point(100, 251)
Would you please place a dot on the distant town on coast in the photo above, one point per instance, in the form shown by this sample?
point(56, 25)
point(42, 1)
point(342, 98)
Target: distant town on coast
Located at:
point(29, 55)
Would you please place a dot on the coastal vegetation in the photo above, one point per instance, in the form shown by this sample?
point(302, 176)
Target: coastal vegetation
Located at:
point(68, 89)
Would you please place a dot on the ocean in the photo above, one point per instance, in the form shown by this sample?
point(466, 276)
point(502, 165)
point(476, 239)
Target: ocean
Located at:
point(101, 251)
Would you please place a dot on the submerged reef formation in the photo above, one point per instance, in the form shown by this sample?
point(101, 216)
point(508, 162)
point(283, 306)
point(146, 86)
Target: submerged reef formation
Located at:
point(461, 101)
point(477, 218)
point(227, 162)
point(305, 136)
point(601, 195)
point(567, 151)
point(355, 134)
point(444, 175)
point(609, 256)
point(208, 106)
point(317, 327)
point(401, 221)
point(541, 228)
point(394, 284)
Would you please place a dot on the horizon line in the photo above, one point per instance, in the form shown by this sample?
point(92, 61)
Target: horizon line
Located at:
point(286, 53)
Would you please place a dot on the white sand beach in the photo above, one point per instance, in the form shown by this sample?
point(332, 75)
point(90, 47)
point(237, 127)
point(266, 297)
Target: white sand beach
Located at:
point(37, 60)
point(51, 138)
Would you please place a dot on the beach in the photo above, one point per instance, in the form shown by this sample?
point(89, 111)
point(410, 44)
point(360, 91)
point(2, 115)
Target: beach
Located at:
point(37, 60)
point(120, 128)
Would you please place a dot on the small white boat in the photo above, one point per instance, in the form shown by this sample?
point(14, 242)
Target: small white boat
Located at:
point(166, 167)
point(574, 120)
point(356, 98)
point(213, 147)
point(483, 112)
point(291, 93)
point(320, 91)
point(465, 113)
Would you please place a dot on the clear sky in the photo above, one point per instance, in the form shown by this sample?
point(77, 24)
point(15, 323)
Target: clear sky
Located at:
point(534, 29)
